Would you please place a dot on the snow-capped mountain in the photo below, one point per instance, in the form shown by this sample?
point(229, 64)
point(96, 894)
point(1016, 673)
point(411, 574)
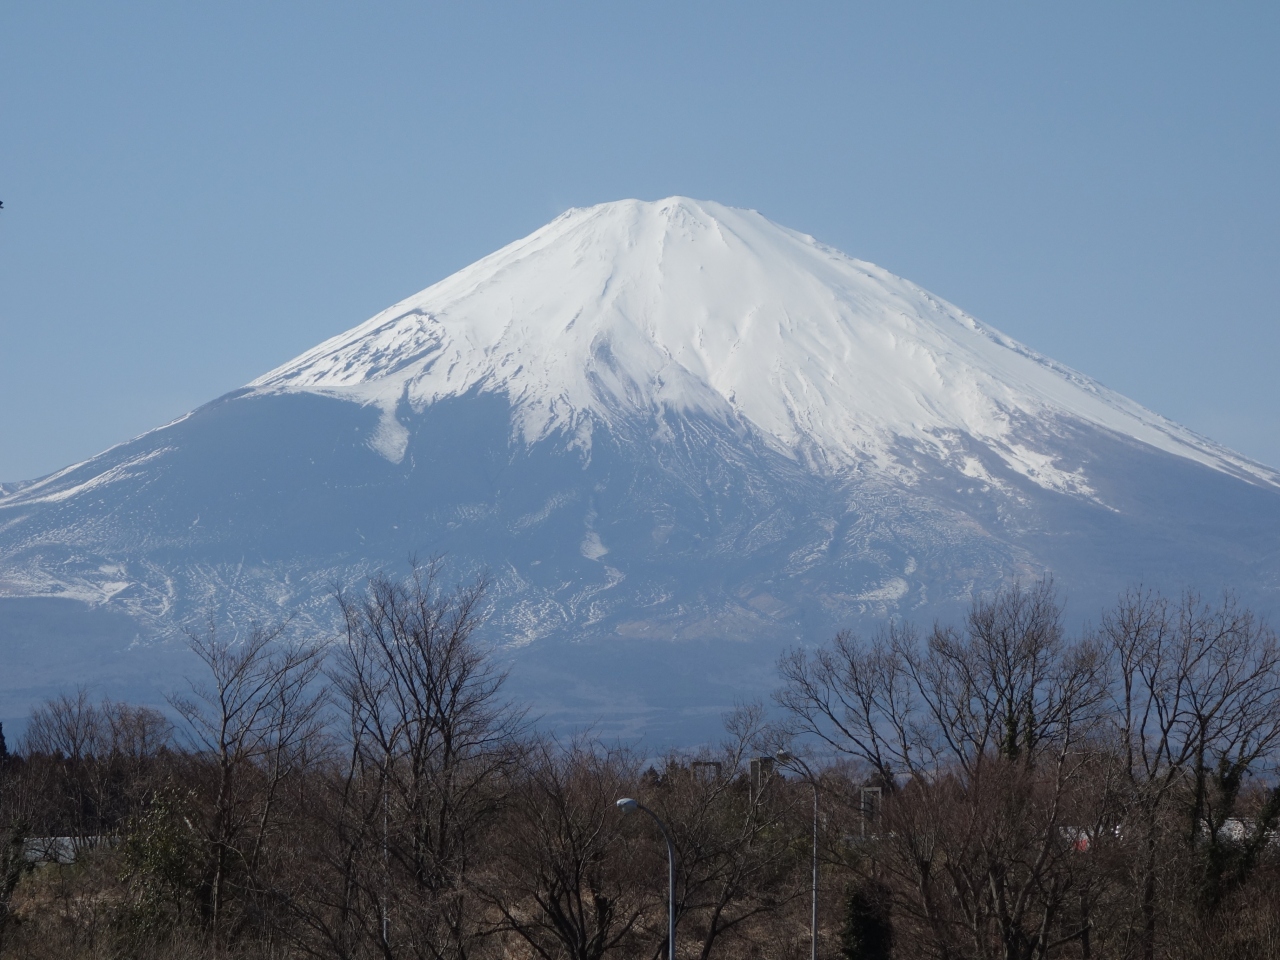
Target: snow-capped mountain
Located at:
point(624, 311)
point(669, 420)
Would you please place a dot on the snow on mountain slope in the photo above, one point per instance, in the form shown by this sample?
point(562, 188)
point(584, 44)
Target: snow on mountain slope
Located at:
point(625, 309)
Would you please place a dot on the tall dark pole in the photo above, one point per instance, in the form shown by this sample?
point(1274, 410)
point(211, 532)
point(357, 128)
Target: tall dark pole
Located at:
point(813, 921)
point(627, 805)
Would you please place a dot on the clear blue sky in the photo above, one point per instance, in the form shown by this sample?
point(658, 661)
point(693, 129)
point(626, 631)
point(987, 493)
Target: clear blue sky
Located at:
point(194, 193)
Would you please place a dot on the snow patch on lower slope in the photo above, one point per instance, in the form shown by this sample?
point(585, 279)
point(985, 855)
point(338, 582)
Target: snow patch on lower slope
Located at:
point(391, 438)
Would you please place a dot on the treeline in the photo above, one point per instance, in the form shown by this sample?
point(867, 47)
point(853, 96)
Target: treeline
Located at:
point(995, 789)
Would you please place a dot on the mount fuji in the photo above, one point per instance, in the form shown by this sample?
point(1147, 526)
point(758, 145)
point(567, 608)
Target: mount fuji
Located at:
point(677, 436)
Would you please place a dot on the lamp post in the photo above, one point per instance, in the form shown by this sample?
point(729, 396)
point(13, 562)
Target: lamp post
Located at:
point(795, 763)
point(627, 805)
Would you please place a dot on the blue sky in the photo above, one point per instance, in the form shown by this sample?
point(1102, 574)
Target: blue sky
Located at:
point(194, 193)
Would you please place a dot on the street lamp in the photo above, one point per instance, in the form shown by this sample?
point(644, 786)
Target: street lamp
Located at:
point(795, 763)
point(628, 805)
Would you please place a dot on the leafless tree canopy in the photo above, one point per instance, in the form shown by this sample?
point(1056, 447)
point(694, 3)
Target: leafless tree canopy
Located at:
point(996, 788)
point(1053, 796)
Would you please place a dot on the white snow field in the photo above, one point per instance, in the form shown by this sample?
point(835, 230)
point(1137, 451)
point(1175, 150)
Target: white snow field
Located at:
point(691, 306)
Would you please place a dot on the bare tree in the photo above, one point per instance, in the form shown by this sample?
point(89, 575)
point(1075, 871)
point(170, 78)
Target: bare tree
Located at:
point(858, 700)
point(62, 737)
point(252, 718)
point(983, 736)
point(1196, 710)
point(737, 847)
point(68, 725)
point(431, 742)
point(94, 758)
point(563, 879)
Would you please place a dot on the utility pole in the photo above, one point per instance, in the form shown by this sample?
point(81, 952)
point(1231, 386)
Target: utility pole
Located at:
point(627, 805)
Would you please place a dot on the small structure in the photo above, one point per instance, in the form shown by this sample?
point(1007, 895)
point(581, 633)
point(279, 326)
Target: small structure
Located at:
point(761, 773)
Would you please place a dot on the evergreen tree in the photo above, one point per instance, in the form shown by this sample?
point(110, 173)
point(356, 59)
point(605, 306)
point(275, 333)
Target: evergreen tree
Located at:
point(867, 933)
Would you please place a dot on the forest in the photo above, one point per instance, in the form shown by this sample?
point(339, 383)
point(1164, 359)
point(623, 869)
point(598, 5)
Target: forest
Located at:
point(995, 788)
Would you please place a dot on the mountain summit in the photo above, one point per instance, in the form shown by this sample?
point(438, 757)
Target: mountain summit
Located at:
point(618, 312)
point(677, 437)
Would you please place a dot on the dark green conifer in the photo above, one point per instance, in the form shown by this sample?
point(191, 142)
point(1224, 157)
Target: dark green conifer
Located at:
point(868, 932)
